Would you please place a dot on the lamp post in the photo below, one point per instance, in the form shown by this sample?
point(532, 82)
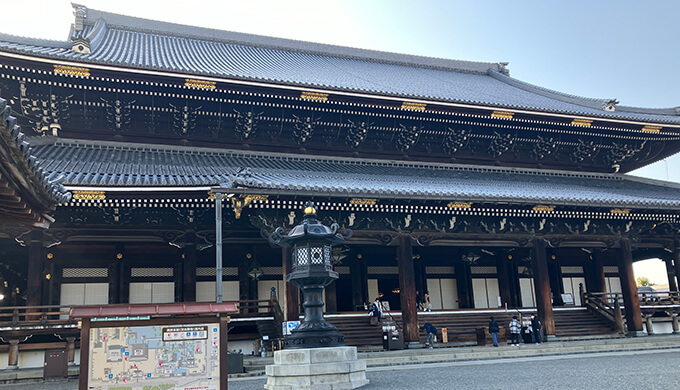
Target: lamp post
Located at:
point(312, 270)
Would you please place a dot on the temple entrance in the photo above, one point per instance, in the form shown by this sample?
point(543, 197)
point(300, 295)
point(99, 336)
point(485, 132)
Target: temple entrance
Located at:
point(388, 291)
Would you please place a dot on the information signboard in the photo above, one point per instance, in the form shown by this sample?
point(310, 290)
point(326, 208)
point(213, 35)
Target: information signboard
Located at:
point(181, 357)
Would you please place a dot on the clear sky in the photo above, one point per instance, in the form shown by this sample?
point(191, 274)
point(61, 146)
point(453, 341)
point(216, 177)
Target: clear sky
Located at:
point(625, 49)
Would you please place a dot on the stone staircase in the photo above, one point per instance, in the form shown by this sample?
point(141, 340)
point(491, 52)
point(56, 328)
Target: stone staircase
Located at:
point(571, 323)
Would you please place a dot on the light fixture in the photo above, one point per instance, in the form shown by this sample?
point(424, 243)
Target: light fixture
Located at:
point(471, 258)
point(119, 255)
point(255, 271)
point(48, 276)
point(50, 256)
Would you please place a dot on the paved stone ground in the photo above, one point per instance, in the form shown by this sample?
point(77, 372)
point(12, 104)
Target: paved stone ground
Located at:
point(615, 370)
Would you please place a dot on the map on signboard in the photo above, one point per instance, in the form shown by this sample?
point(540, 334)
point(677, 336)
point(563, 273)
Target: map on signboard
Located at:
point(163, 357)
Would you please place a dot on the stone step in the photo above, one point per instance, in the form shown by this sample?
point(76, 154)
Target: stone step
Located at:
point(437, 355)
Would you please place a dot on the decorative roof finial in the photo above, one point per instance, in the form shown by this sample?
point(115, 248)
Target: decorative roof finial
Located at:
point(80, 12)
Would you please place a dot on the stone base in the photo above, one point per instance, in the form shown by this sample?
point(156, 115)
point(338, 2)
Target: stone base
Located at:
point(316, 368)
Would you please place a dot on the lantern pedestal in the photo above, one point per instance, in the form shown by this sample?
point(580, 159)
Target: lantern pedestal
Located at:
point(314, 368)
point(314, 331)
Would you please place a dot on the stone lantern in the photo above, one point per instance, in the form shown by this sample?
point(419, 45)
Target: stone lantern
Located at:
point(312, 270)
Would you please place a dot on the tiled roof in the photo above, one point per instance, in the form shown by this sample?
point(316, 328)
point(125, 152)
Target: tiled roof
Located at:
point(28, 191)
point(100, 164)
point(129, 42)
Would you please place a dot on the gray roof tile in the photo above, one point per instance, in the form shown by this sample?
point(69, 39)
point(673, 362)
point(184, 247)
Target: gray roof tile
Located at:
point(143, 44)
point(145, 165)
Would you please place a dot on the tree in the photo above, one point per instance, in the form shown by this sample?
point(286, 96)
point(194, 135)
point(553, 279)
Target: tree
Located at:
point(643, 281)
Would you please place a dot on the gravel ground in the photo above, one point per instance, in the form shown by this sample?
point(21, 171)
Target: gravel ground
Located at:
point(620, 371)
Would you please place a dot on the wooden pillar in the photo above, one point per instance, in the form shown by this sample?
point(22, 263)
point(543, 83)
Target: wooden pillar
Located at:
point(539, 264)
point(672, 285)
point(243, 280)
point(291, 292)
point(629, 288)
point(357, 270)
point(331, 298)
point(125, 279)
point(407, 287)
point(224, 353)
point(464, 284)
point(177, 279)
point(35, 267)
point(84, 354)
point(676, 265)
point(13, 356)
point(556, 285)
point(420, 275)
point(57, 280)
point(71, 350)
point(189, 268)
point(599, 277)
point(114, 283)
point(504, 278)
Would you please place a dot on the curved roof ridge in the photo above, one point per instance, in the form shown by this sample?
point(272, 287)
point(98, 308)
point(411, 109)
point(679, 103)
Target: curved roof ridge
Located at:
point(18, 39)
point(596, 103)
point(675, 111)
point(131, 23)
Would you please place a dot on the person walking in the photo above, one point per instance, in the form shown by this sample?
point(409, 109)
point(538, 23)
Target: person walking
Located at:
point(515, 328)
point(536, 330)
point(431, 332)
point(494, 329)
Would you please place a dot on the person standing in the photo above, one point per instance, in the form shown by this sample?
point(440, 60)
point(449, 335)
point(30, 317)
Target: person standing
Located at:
point(419, 301)
point(378, 309)
point(431, 332)
point(426, 301)
point(515, 328)
point(536, 330)
point(494, 329)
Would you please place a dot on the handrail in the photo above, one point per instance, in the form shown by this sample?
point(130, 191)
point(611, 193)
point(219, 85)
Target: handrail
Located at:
point(607, 306)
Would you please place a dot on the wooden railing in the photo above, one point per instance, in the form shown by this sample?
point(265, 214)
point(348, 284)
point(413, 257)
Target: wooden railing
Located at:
point(607, 306)
point(22, 316)
point(56, 315)
point(659, 298)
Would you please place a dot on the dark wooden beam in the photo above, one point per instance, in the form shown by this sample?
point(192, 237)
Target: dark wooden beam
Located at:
point(670, 272)
point(189, 268)
point(407, 287)
point(35, 268)
point(504, 278)
point(629, 289)
point(539, 264)
point(676, 265)
point(292, 296)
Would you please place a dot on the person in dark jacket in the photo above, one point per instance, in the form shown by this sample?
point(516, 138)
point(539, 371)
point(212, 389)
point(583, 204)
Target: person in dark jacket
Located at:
point(494, 329)
point(431, 331)
point(536, 330)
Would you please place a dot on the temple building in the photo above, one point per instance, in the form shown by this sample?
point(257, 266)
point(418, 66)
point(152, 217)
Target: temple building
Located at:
point(457, 179)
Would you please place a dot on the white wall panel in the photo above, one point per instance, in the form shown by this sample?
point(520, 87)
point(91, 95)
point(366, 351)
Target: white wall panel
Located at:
point(526, 286)
point(152, 292)
point(205, 291)
point(614, 285)
point(480, 293)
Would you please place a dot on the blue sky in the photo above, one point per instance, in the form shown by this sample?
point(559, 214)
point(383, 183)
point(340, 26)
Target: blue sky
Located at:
point(624, 49)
